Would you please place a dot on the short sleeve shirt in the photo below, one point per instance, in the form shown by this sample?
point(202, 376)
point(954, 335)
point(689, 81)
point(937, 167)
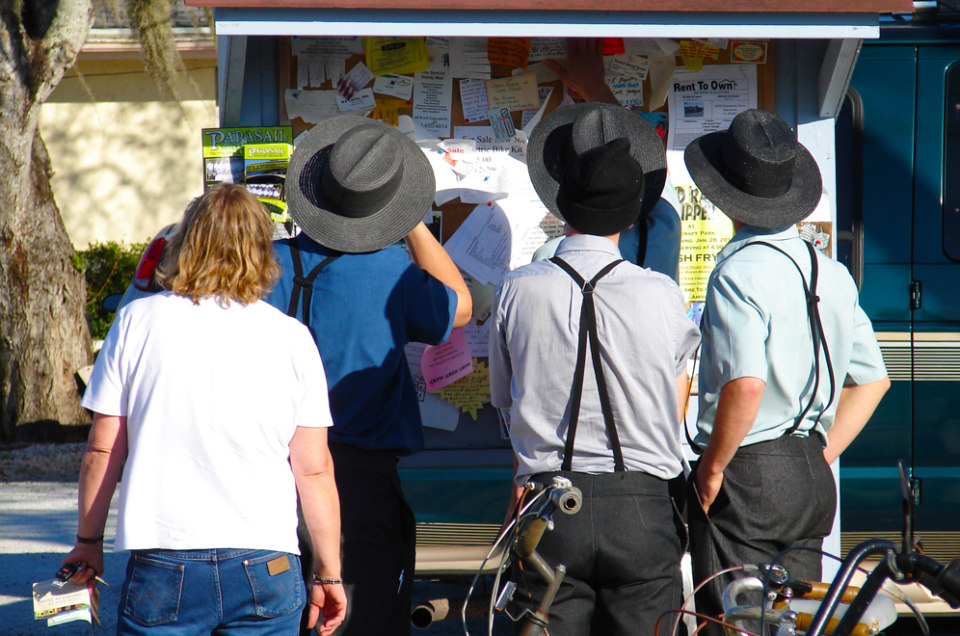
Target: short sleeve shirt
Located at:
point(645, 337)
point(755, 324)
point(365, 309)
point(212, 395)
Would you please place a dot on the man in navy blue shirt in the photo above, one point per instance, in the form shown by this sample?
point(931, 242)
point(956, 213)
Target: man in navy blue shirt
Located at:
point(356, 187)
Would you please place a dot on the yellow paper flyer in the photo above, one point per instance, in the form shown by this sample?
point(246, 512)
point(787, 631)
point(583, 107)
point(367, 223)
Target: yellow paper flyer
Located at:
point(704, 232)
point(395, 56)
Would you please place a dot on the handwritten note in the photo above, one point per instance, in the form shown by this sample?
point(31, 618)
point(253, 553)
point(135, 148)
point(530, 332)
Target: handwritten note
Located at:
point(446, 363)
point(547, 49)
point(509, 52)
point(473, 97)
point(470, 393)
point(311, 106)
point(518, 92)
point(629, 66)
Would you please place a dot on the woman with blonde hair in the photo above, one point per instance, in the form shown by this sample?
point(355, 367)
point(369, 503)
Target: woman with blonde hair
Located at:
point(213, 405)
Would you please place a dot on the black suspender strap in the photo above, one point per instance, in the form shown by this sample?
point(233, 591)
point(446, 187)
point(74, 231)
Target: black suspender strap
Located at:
point(816, 331)
point(304, 283)
point(588, 330)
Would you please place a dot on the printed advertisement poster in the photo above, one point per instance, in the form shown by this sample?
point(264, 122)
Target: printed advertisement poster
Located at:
point(702, 102)
point(704, 232)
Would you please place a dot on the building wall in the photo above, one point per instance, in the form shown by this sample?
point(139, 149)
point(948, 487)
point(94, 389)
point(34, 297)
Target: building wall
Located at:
point(126, 162)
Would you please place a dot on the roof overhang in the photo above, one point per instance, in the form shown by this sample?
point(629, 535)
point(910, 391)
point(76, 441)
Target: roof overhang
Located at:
point(858, 19)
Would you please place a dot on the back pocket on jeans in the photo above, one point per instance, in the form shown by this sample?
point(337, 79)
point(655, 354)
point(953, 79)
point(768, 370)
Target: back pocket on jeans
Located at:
point(278, 594)
point(153, 592)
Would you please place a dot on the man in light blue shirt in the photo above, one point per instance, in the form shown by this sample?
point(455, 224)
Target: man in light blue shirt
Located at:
point(790, 371)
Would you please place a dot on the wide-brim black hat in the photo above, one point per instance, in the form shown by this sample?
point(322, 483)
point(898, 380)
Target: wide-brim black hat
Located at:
point(575, 128)
point(358, 185)
point(756, 172)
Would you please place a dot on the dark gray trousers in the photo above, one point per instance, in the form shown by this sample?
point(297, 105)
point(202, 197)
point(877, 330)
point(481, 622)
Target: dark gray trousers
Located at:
point(775, 496)
point(622, 553)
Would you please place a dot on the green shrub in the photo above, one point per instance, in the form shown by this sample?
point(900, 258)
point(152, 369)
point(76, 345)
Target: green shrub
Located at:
point(108, 267)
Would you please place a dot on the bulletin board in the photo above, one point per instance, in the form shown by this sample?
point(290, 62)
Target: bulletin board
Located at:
point(690, 55)
point(640, 81)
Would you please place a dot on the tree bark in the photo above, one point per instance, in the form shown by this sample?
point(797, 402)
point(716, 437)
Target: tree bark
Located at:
point(44, 338)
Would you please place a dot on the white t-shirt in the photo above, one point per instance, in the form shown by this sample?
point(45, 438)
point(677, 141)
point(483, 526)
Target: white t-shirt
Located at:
point(212, 396)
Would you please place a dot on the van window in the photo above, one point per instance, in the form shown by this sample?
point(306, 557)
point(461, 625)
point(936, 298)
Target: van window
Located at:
point(951, 164)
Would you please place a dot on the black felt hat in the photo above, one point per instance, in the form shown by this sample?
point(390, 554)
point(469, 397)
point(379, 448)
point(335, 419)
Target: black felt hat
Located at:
point(601, 190)
point(358, 185)
point(571, 130)
point(756, 171)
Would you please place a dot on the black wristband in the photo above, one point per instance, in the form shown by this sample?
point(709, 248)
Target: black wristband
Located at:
point(90, 540)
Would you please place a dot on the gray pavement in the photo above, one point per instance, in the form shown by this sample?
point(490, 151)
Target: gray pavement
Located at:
point(37, 525)
point(38, 521)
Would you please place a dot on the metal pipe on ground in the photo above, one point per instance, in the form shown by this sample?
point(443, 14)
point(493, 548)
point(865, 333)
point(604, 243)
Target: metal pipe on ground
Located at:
point(438, 609)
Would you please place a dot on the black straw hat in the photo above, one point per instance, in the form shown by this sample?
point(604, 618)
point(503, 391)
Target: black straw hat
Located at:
point(358, 185)
point(756, 172)
point(601, 190)
point(571, 130)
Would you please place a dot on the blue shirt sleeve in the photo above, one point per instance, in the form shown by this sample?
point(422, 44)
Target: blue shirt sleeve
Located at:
point(430, 307)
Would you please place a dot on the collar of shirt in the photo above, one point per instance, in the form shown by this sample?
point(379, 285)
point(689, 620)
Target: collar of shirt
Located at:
point(749, 234)
point(588, 243)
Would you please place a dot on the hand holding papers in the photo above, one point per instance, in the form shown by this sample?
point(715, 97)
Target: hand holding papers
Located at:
point(60, 602)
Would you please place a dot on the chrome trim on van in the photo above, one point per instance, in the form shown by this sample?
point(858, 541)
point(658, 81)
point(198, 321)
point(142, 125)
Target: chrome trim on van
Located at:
point(934, 356)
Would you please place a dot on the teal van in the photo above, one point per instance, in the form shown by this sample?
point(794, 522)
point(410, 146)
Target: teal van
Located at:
point(898, 201)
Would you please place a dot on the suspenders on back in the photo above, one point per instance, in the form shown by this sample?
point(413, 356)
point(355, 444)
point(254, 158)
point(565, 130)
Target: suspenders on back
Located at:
point(816, 330)
point(304, 283)
point(588, 329)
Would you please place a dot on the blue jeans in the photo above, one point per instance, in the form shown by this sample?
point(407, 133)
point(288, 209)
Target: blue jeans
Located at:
point(219, 591)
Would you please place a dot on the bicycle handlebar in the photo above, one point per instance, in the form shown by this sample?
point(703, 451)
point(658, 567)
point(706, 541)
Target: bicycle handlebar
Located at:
point(942, 580)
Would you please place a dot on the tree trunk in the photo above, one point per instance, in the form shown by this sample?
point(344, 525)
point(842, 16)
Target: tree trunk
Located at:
point(44, 338)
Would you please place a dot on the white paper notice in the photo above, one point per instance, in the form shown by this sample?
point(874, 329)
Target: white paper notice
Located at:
point(473, 96)
point(627, 90)
point(360, 102)
point(702, 102)
point(494, 239)
point(547, 49)
point(468, 58)
point(344, 47)
point(478, 337)
point(399, 86)
point(311, 106)
point(530, 118)
point(438, 51)
point(432, 97)
point(447, 181)
point(496, 169)
point(434, 411)
point(629, 66)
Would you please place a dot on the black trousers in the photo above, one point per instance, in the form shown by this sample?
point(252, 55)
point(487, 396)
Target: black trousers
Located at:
point(622, 552)
point(378, 543)
point(776, 496)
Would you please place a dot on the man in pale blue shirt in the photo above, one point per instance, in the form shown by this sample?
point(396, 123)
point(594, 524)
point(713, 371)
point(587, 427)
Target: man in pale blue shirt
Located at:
point(790, 371)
